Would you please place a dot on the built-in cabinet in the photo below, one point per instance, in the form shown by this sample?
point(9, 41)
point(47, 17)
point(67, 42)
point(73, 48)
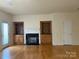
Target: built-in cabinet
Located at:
point(19, 39)
point(18, 32)
point(46, 32)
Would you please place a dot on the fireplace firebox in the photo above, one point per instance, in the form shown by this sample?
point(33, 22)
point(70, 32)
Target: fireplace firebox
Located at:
point(32, 39)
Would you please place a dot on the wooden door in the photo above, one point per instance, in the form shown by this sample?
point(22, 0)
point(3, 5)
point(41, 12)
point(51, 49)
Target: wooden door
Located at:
point(46, 32)
point(18, 33)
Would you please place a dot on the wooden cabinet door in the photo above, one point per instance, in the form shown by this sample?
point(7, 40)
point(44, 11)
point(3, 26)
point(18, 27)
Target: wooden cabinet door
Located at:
point(46, 39)
point(19, 39)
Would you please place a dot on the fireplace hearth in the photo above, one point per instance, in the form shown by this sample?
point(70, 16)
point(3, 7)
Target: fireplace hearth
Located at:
point(32, 39)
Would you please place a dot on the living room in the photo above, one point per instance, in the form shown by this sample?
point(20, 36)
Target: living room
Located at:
point(40, 29)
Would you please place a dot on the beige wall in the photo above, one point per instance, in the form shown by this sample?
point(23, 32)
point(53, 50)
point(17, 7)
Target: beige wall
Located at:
point(4, 17)
point(32, 24)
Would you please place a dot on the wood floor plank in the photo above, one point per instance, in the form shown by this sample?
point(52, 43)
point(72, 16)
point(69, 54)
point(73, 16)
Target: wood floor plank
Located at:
point(40, 52)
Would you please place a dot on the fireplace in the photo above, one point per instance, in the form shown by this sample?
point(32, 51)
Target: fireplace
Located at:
point(32, 39)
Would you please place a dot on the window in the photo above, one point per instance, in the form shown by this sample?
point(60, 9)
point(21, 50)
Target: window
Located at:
point(5, 36)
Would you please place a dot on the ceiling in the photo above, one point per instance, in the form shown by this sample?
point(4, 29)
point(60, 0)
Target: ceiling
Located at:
point(38, 6)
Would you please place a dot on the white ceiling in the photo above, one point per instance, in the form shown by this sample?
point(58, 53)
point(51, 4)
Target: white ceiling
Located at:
point(38, 6)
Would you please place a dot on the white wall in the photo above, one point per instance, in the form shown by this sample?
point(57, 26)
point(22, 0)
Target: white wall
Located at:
point(4, 17)
point(32, 24)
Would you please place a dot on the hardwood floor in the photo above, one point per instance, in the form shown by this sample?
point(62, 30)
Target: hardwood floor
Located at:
point(40, 52)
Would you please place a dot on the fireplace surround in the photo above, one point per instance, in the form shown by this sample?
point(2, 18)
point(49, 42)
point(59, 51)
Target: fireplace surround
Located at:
point(32, 39)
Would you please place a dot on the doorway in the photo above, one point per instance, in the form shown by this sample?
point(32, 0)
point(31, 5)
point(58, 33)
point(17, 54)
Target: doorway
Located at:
point(46, 32)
